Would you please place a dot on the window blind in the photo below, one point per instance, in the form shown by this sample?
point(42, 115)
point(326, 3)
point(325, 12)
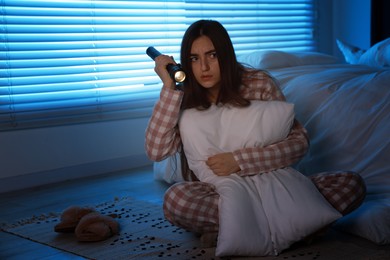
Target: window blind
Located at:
point(78, 61)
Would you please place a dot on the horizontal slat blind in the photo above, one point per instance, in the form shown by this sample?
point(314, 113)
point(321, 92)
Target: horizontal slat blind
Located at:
point(75, 61)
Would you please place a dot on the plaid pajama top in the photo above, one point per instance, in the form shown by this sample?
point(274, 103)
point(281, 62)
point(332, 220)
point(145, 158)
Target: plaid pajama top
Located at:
point(163, 135)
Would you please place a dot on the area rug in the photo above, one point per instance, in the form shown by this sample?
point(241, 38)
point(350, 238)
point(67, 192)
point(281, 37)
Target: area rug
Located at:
point(145, 234)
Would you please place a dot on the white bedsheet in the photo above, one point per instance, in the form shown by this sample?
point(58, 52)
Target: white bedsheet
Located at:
point(346, 110)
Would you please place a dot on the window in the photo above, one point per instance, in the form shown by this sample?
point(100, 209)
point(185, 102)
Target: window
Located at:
point(76, 61)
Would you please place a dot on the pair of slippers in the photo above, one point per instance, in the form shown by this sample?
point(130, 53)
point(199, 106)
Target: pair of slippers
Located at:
point(87, 224)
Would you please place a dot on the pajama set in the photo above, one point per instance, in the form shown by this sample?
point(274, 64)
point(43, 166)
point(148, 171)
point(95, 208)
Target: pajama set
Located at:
point(194, 205)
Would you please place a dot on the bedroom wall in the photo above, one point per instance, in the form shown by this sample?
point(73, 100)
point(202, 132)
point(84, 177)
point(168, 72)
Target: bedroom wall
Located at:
point(41, 156)
point(348, 20)
point(47, 155)
point(351, 22)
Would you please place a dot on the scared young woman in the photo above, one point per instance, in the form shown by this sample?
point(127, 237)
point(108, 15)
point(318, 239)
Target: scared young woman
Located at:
point(238, 138)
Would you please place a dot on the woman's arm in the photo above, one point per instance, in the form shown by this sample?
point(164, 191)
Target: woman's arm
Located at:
point(162, 137)
point(275, 156)
point(282, 154)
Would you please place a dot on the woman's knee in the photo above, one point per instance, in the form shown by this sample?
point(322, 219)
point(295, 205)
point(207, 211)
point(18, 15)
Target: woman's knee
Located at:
point(339, 179)
point(358, 189)
point(180, 196)
point(191, 205)
point(174, 199)
point(345, 190)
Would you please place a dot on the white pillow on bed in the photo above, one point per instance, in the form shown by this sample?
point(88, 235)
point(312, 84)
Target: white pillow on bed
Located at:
point(376, 56)
point(351, 53)
point(273, 59)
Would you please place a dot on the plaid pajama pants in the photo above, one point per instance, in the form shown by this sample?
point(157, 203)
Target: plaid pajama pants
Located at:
point(194, 205)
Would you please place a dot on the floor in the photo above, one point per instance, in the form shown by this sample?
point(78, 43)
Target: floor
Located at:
point(55, 198)
point(138, 183)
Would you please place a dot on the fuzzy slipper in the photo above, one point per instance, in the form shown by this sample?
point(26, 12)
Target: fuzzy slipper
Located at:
point(70, 218)
point(96, 227)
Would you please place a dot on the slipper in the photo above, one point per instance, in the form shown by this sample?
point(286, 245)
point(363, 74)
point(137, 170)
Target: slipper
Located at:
point(70, 218)
point(96, 227)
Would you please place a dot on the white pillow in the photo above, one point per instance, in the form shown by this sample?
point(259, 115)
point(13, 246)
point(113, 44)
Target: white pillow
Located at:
point(226, 129)
point(351, 53)
point(270, 120)
point(304, 208)
point(279, 59)
point(376, 56)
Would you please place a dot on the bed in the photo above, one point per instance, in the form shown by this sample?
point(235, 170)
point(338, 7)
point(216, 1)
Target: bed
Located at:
point(345, 106)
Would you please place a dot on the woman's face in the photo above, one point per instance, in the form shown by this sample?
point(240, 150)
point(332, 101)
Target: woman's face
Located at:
point(205, 66)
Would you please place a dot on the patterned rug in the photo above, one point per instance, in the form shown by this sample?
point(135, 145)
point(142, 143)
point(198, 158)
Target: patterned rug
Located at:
point(145, 234)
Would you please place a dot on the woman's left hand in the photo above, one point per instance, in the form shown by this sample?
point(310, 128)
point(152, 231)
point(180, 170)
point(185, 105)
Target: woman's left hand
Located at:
point(223, 164)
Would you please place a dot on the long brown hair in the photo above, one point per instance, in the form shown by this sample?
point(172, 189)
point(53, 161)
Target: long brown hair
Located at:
point(195, 96)
point(231, 70)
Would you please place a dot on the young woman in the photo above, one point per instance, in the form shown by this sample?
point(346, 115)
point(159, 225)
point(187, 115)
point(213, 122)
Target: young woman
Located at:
point(216, 79)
